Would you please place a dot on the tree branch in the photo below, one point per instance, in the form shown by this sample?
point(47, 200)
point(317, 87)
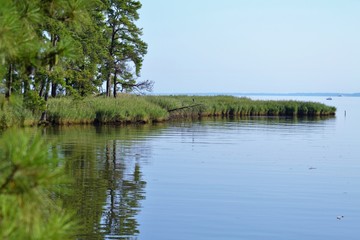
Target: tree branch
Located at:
point(146, 85)
point(9, 178)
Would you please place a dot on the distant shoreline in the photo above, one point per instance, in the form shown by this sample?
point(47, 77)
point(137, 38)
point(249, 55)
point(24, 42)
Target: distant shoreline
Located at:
point(322, 94)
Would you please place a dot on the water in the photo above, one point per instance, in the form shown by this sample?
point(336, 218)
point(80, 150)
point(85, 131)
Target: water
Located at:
point(252, 178)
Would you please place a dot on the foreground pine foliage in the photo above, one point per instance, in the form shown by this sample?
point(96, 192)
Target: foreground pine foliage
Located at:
point(29, 182)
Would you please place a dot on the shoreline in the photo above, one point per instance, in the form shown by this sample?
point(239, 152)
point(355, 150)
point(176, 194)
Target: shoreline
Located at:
point(132, 109)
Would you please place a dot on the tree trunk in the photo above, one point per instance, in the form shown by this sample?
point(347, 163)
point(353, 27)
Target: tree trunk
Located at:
point(26, 86)
point(9, 82)
point(110, 64)
point(47, 89)
point(53, 89)
point(27, 80)
point(115, 84)
point(108, 82)
point(42, 86)
point(52, 63)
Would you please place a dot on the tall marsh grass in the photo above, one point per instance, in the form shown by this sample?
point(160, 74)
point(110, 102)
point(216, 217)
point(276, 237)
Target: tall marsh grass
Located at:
point(146, 109)
point(234, 106)
point(14, 113)
point(124, 109)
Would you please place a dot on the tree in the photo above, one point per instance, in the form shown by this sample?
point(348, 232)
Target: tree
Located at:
point(125, 47)
point(49, 45)
point(82, 70)
point(64, 30)
point(18, 39)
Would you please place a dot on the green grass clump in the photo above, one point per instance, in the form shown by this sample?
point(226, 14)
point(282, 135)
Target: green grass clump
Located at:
point(14, 113)
point(124, 109)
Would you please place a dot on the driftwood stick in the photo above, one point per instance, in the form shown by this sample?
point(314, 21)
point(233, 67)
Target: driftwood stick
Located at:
point(190, 106)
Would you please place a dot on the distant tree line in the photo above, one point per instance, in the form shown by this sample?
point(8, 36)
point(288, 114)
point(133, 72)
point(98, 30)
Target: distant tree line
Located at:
point(70, 47)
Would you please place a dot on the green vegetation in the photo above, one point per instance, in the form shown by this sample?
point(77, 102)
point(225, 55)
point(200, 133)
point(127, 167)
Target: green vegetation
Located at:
point(128, 108)
point(69, 47)
point(232, 106)
point(13, 112)
point(124, 109)
point(30, 178)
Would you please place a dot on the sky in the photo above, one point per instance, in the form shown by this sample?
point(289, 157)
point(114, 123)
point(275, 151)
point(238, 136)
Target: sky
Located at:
point(251, 46)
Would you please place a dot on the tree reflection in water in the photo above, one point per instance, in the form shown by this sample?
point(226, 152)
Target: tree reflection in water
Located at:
point(124, 192)
point(107, 187)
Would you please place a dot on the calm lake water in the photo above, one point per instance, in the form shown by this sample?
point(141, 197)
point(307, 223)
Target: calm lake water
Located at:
point(248, 178)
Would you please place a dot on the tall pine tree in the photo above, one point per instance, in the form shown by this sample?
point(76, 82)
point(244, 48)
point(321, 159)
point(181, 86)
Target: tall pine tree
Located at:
point(125, 47)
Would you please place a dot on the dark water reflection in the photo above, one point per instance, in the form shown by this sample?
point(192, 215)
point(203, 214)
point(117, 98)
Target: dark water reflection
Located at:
point(242, 178)
point(108, 187)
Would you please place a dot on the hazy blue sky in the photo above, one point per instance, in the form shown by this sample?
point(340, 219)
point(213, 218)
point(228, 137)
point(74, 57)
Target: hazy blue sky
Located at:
point(199, 46)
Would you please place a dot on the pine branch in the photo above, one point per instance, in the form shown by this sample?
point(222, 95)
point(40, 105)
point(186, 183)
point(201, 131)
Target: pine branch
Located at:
point(9, 178)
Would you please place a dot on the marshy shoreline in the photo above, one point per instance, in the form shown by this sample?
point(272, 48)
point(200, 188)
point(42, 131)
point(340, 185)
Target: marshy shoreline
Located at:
point(132, 109)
